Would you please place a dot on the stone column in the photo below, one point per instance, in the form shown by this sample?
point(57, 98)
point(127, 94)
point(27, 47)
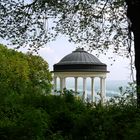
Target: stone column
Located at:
point(92, 89)
point(55, 84)
point(84, 88)
point(102, 89)
point(64, 82)
point(76, 84)
point(61, 84)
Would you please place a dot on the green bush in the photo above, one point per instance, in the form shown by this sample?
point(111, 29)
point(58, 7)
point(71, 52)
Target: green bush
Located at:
point(39, 117)
point(21, 73)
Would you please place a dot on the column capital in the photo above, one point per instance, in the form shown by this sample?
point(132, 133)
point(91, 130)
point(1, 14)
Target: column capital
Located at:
point(84, 77)
point(62, 77)
point(92, 77)
point(103, 77)
point(76, 77)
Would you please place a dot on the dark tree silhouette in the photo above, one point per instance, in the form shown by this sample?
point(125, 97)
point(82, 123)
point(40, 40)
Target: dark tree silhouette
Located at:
point(132, 13)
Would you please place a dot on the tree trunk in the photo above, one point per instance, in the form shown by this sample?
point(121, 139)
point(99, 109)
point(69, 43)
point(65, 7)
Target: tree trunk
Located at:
point(133, 15)
point(137, 62)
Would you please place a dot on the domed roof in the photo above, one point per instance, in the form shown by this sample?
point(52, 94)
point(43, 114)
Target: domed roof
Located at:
point(79, 56)
point(80, 60)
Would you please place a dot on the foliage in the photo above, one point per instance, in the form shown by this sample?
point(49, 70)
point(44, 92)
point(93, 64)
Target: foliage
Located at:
point(19, 121)
point(97, 24)
point(62, 117)
point(38, 116)
point(19, 71)
point(39, 74)
point(14, 70)
point(126, 96)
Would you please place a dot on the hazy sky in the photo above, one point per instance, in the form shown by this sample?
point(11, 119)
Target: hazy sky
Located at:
point(55, 51)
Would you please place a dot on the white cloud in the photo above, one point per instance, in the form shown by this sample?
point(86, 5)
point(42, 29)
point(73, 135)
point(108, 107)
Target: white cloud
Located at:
point(46, 50)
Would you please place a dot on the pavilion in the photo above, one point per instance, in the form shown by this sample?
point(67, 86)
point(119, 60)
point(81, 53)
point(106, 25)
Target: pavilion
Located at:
point(77, 64)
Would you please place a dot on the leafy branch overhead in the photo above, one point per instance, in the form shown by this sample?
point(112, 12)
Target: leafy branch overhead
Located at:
point(99, 24)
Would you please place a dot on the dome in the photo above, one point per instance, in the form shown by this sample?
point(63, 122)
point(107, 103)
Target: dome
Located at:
point(80, 60)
